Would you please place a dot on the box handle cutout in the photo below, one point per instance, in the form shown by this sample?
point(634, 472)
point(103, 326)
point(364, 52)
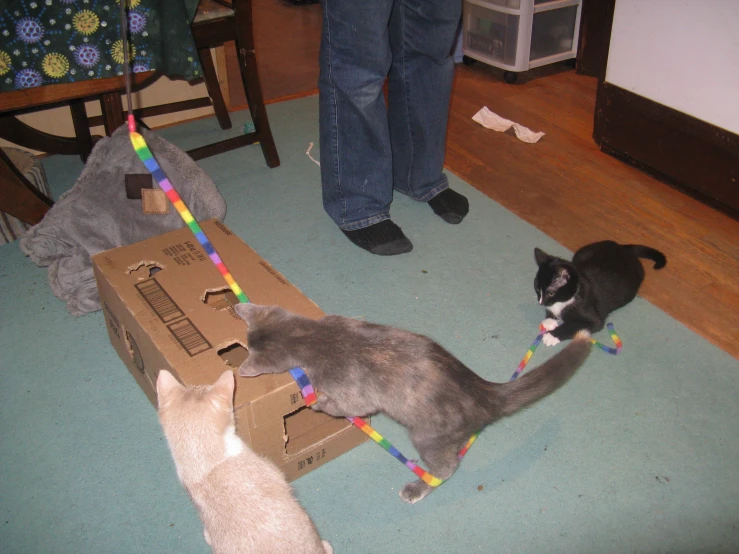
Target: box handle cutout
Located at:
point(304, 428)
point(233, 354)
point(222, 298)
point(148, 268)
point(134, 351)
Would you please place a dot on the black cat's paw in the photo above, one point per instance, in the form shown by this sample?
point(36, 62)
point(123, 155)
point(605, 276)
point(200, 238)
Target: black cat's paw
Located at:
point(415, 491)
point(549, 339)
point(550, 324)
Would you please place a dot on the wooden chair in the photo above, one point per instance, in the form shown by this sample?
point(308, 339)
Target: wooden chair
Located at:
point(217, 22)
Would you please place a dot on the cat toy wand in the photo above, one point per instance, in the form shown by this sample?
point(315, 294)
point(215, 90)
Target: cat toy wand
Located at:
point(147, 158)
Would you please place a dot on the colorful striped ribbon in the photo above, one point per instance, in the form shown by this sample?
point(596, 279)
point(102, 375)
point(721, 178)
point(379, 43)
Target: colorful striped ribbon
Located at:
point(614, 338)
point(145, 155)
point(542, 331)
point(529, 353)
point(309, 395)
point(310, 398)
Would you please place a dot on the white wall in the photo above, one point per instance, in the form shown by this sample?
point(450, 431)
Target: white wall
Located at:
point(681, 53)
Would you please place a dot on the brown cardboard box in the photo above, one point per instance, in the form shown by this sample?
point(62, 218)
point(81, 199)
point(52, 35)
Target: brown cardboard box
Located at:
point(166, 306)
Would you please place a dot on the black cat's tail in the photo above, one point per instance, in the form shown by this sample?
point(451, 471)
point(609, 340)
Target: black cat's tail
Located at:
point(649, 253)
point(546, 378)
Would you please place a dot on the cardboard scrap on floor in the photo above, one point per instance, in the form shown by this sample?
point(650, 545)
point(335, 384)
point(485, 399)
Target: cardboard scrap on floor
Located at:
point(167, 307)
point(491, 120)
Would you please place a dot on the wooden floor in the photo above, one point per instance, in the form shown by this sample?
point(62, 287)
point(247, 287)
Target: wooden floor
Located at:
point(287, 38)
point(563, 184)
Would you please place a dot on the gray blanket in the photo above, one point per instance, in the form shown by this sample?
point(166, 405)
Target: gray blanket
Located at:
point(95, 214)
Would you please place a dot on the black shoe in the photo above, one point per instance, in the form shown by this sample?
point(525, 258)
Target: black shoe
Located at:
point(383, 238)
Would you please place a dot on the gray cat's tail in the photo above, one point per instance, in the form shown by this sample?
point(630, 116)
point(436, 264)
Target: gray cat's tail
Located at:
point(649, 253)
point(548, 377)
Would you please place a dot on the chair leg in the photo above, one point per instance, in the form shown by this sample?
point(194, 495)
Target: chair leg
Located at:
point(253, 91)
point(214, 89)
point(250, 80)
point(81, 128)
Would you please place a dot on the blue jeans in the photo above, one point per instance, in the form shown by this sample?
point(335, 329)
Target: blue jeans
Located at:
point(367, 150)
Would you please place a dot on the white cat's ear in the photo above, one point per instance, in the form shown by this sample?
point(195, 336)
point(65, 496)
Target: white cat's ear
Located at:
point(541, 256)
point(225, 385)
point(247, 311)
point(166, 385)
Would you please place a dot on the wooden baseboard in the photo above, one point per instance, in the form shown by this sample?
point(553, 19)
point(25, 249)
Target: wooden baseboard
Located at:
point(694, 156)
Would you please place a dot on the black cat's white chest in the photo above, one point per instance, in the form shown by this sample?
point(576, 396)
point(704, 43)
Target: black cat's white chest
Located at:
point(555, 310)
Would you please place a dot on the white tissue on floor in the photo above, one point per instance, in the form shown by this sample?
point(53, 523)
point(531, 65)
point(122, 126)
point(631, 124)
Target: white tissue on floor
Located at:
point(307, 153)
point(492, 120)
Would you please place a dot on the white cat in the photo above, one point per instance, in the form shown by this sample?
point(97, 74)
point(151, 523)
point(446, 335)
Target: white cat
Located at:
point(243, 499)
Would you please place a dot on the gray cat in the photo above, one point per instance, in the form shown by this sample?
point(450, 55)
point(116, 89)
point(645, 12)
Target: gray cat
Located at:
point(360, 369)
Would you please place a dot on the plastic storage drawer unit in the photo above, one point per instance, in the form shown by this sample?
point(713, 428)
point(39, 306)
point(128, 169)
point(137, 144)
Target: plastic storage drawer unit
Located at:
point(516, 35)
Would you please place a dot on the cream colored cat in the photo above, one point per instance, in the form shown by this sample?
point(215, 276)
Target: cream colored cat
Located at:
point(244, 500)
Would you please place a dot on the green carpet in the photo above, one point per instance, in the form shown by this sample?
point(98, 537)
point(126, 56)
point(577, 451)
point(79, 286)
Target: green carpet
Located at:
point(637, 453)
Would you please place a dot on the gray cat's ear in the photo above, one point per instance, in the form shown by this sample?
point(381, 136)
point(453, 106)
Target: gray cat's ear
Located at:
point(541, 256)
point(247, 311)
point(248, 369)
point(166, 385)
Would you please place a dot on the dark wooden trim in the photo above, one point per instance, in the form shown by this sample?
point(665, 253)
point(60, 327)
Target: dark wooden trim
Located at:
point(680, 150)
point(596, 22)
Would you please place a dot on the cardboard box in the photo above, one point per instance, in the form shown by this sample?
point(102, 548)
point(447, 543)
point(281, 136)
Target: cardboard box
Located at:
point(166, 306)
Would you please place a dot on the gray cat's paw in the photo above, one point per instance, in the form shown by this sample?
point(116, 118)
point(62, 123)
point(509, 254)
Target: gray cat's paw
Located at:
point(415, 491)
point(206, 536)
point(549, 339)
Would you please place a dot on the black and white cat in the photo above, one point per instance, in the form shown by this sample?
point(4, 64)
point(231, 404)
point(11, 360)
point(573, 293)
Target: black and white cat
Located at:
point(601, 278)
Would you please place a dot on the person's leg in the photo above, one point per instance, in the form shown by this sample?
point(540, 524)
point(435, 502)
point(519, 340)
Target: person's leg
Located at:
point(422, 34)
point(356, 160)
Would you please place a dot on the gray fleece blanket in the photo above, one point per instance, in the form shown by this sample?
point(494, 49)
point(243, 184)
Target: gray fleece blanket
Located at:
point(96, 215)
